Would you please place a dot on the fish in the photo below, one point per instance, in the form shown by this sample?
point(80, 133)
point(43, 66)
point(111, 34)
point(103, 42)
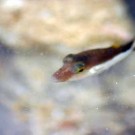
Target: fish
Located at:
point(91, 62)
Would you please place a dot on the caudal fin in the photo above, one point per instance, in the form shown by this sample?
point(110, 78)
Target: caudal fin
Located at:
point(129, 45)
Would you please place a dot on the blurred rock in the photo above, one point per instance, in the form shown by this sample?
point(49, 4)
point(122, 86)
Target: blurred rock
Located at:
point(10, 125)
point(129, 131)
point(43, 23)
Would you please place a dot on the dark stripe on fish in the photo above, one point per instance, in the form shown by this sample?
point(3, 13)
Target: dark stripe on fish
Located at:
point(97, 56)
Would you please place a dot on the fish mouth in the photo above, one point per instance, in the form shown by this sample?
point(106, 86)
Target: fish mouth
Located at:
point(63, 74)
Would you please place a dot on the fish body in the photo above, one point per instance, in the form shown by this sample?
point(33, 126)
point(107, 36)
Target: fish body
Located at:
point(91, 62)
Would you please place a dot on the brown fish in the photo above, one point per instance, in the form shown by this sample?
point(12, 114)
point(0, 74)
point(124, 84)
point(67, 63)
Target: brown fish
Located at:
point(90, 62)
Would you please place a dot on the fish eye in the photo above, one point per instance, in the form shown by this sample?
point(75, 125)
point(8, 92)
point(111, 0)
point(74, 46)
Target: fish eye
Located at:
point(68, 58)
point(79, 67)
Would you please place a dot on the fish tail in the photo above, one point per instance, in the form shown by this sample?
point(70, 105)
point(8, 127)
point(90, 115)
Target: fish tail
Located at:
point(128, 46)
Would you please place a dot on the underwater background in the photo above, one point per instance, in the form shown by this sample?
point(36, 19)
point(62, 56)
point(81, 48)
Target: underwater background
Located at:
point(34, 38)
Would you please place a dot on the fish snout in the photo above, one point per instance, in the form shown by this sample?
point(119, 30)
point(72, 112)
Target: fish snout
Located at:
point(62, 75)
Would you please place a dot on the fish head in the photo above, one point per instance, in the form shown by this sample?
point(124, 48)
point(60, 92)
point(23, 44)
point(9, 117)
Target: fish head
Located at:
point(72, 69)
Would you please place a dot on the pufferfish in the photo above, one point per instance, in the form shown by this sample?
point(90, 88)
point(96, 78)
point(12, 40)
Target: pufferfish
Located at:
point(91, 62)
